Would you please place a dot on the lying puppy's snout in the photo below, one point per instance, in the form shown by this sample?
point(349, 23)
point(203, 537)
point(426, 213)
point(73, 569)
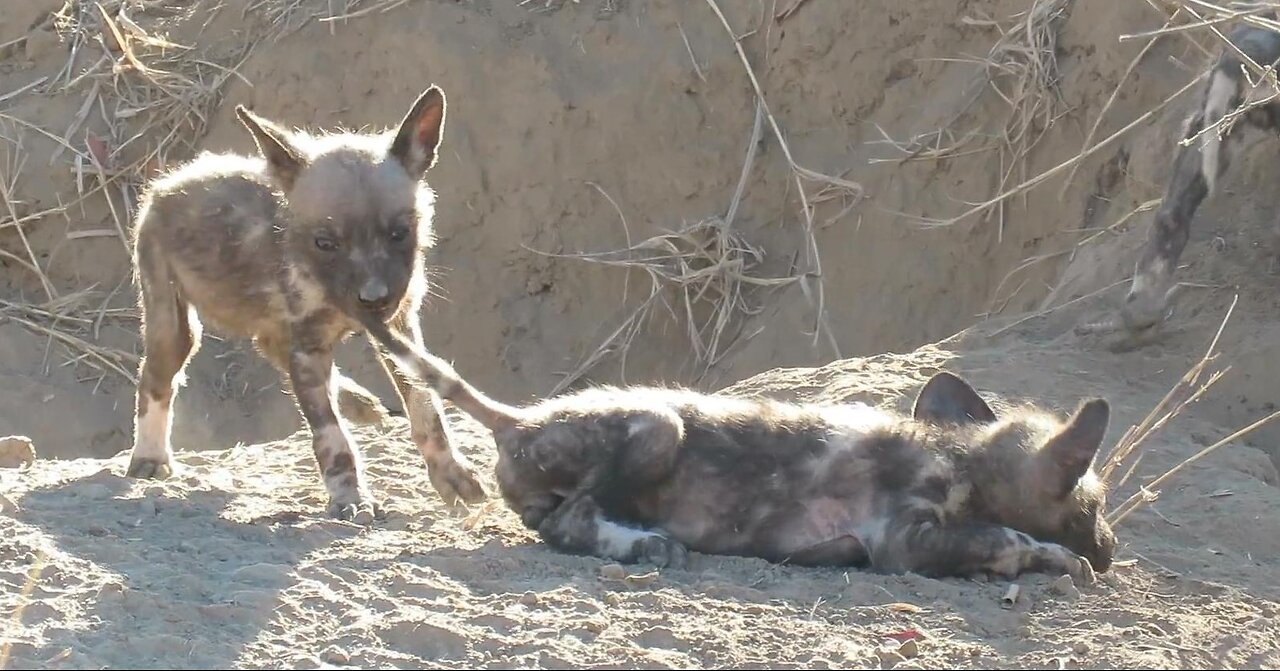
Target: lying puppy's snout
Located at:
point(1104, 551)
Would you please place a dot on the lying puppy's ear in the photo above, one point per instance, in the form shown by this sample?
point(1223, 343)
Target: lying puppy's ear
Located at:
point(947, 399)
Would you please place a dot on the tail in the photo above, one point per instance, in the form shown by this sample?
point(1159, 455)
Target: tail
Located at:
point(431, 372)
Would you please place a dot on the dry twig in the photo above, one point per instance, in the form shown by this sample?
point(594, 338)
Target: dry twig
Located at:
point(1185, 392)
point(798, 172)
point(705, 263)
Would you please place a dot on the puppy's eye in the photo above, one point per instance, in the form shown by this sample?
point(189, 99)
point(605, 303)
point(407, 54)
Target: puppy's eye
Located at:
point(398, 232)
point(326, 243)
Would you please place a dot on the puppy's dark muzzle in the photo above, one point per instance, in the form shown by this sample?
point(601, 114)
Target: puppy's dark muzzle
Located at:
point(374, 293)
point(1102, 554)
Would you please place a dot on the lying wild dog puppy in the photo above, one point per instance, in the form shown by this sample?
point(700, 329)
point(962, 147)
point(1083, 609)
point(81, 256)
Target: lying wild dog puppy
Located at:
point(645, 474)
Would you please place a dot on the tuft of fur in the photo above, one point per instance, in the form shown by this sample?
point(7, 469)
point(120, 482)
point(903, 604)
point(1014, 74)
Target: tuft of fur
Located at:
point(296, 248)
point(649, 474)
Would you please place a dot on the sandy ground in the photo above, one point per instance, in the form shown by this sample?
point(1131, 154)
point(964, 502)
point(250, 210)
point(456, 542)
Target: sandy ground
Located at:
point(233, 563)
point(576, 127)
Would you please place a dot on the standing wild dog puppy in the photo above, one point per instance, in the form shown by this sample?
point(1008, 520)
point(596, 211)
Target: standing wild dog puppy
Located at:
point(646, 474)
point(1198, 166)
point(295, 249)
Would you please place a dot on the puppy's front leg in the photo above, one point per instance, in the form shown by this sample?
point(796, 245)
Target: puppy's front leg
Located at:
point(965, 550)
point(311, 377)
point(578, 526)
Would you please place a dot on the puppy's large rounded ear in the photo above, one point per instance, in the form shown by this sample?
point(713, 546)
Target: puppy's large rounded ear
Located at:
point(948, 399)
point(1069, 454)
point(284, 160)
point(420, 132)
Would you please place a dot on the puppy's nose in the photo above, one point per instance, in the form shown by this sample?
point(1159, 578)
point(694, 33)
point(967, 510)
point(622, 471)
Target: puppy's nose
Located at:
point(373, 292)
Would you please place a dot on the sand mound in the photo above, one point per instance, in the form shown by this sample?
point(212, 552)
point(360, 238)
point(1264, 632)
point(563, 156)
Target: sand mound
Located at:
point(233, 563)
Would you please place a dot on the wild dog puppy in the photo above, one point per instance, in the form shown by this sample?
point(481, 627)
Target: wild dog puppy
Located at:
point(647, 474)
point(1198, 167)
point(295, 249)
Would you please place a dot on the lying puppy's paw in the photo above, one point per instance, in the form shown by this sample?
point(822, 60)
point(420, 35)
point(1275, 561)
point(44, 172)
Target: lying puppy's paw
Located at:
point(661, 551)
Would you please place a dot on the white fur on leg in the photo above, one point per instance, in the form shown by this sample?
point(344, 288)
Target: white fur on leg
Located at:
point(1221, 89)
point(1143, 280)
point(617, 541)
point(152, 431)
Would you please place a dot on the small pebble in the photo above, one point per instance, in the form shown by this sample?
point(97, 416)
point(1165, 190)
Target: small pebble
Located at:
point(641, 579)
point(1064, 586)
point(909, 649)
point(889, 658)
point(529, 599)
point(16, 451)
point(613, 572)
point(7, 505)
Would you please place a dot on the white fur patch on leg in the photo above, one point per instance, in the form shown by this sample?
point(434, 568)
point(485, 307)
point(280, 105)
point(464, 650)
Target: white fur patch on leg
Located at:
point(152, 431)
point(1221, 90)
point(616, 541)
point(1144, 280)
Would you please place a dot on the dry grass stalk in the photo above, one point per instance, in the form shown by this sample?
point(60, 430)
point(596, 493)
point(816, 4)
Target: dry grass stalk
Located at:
point(1069, 252)
point(1022, 69)
point(1031, 105)
point(934, 145)
point(289, 16)
point(1185, 392)
point(1149, 492)
point(8, 184)
point(1047, 311)
point(704, 263)
point(1115, 93)
point(65, 320)
point(152, 99)
point(1025, 57)
point(1051, 172)
point(799, 173)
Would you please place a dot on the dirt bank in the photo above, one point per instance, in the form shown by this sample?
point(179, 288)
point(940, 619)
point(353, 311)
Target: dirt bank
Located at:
point(576, 129)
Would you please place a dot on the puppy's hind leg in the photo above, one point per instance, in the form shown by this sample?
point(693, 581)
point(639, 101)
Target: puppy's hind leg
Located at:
point(653, 439)
point(579, 527)
point(170, 336)
point(585, 522)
